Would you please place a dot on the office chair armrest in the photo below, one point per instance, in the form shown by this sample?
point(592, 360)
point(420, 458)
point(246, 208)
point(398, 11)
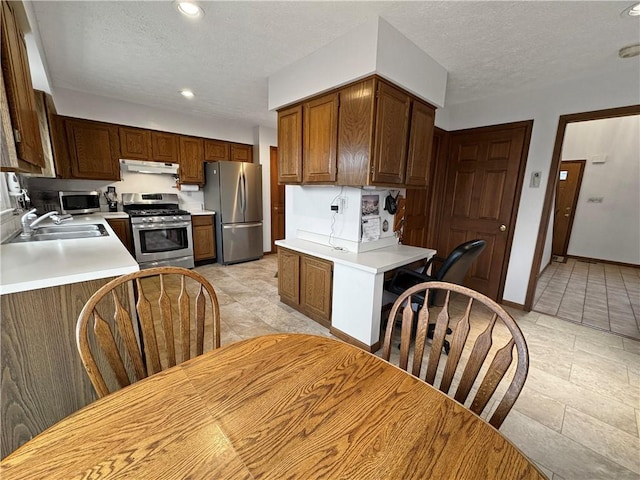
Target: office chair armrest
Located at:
point(430, 262)
point(405, 278)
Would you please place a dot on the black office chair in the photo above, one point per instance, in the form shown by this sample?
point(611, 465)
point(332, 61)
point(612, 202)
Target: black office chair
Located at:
point(453, 270)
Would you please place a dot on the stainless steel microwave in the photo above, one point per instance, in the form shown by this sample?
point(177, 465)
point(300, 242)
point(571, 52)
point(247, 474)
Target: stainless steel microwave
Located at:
point(76, 203)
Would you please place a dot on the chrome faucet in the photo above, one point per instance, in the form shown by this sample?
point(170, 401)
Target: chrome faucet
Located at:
point(30, 220)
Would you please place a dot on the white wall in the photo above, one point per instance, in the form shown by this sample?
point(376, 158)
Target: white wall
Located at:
point(263, 139)
point(94, 107)
point(373, 47)
point(309, 216)
point(544, 106)
point(609, 230)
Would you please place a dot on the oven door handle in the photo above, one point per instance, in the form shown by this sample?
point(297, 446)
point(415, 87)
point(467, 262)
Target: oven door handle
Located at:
point(159, 226)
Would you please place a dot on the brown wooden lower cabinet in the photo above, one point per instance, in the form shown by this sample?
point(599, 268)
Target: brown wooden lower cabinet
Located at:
point(204, 240)
point(305, 283)
point(42, 377)
point(122, 229)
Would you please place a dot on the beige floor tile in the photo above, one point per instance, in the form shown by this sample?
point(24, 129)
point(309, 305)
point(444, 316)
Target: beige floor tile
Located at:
point(610, 442)
point(631, 345)
point(595, 336)
point(611, 411)
point(559, 453)
point(614, 388)
point(540, 407)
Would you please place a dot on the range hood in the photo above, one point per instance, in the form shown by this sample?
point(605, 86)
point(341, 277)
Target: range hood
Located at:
point(141, 166)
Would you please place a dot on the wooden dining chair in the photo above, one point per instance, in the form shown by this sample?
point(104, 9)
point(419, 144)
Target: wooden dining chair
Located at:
point(120, 345)
point(483, 339)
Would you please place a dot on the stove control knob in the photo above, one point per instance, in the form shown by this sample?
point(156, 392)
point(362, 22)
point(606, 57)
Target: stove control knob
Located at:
point(176, 218)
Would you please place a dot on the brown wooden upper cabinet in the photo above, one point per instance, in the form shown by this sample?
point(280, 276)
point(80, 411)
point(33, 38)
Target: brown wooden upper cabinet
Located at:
point(369, 133)
point(420, 144)
point(320, 134)
point(164, 147)
point(191, 160)
point(290, 145)
point(135, 143)
point(94, 149)
point(20, 95)
point(216, 150)
point(241, 152)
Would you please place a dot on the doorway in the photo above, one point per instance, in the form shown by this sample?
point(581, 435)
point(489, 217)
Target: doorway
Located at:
point(277, 201)
point(567, 192)
point(598, 285)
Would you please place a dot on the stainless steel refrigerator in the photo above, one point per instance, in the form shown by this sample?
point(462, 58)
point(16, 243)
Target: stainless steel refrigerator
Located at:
point(234, 191)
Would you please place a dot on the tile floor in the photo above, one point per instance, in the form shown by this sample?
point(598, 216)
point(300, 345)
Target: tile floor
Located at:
point(578, 414)
point(599, 295)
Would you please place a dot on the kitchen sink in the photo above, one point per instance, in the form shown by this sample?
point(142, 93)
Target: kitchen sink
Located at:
point(63, 232)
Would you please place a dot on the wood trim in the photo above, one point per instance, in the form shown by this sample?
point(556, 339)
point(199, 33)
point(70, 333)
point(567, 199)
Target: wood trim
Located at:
point(599, 260)
point(515, 305)
point(349, 339)
point(438, 183)
point(551, 185)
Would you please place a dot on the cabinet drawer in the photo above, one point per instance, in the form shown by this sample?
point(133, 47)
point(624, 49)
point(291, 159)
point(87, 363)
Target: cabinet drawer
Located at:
point(200, 220)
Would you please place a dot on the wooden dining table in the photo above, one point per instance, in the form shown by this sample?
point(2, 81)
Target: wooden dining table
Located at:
point(285, 406)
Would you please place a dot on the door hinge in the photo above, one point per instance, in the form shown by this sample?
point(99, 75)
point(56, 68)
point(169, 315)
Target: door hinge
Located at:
point(16, 135)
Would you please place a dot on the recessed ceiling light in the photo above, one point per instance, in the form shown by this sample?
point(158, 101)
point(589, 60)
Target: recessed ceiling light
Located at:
point(633, 10)
point(186, 93)
point(629, 51)
point(189, 9)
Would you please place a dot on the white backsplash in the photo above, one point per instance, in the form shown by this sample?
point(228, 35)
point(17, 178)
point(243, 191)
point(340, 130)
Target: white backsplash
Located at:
point(131, 182)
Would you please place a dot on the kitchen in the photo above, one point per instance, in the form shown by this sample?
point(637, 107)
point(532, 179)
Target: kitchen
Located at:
point(77, 104)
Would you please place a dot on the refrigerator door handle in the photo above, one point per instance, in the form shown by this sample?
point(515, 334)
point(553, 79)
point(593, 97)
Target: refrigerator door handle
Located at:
point(244, 192)
point(241, 225)
point(240, 193)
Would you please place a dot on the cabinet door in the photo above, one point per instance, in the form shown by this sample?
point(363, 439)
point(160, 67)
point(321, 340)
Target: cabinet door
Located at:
point(290, 145)
point(164, 147)
point(355, 131)
point(420, 141)
point(391, 131)
point(20, 95)
point(204, 245)
point(94, 149)
point(135, 144)
point(216, 150)
point(315, 289)
point(122, 230)
point(320, 139)
point(60, 146)
point(241, 153)
point(191, 160)
point(289, 276)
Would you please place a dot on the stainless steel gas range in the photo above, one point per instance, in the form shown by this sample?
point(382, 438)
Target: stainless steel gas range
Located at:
point(161, 231)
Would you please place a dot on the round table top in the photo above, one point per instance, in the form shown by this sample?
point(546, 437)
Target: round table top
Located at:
point(274, 407)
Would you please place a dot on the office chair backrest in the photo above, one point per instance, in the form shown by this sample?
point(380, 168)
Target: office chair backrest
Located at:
point(459, 261)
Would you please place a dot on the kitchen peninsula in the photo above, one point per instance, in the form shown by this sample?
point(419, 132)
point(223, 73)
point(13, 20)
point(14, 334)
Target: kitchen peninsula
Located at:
point(43, 287)
point(356, 286)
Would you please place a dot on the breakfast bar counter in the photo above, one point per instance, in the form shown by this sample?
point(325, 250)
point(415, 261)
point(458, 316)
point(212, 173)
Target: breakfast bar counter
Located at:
point(358, 281)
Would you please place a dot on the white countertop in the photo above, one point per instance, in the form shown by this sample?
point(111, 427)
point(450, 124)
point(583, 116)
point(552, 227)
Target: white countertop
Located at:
point(32, 265)
point(202, 212)
point(113, 214)
point(374, 261)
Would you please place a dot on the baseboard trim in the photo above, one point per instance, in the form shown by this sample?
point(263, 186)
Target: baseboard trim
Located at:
point(349, 339)
point(598, 260)
point(515, 305)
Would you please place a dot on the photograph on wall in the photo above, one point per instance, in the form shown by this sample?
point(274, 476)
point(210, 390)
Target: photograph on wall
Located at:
point(370, 205)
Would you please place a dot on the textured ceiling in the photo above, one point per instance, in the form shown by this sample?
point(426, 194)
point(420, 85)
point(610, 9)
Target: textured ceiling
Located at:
point(145, 52)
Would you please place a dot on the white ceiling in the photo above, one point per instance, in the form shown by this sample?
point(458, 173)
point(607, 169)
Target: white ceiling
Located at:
point(145, 52)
